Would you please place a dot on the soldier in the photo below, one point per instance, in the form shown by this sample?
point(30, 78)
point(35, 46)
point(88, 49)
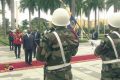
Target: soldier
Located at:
point(109, 50)
point(57, 48)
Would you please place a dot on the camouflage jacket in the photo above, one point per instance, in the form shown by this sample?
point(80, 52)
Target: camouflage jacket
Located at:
point(49, 50)
point(106, 52)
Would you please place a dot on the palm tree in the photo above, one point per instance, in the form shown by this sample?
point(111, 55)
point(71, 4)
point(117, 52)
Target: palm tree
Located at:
point(38, 5)
point(79, 7)
point(50, 5)
point(87, 10)
point(73, 5)
point(12, 13)
point(30, 5)
point(3, 16)
point(3, 2)
point(10, 4)
point(97, 4)
point(115, 3)
point(68, 2)
point(0, 11)
point(79, 11)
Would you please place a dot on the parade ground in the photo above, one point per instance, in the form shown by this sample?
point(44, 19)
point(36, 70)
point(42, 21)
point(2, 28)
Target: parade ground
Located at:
point(83, 69)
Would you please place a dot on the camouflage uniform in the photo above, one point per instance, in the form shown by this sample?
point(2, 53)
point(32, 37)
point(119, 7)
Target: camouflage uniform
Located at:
point(110, 71)
point(49, 52)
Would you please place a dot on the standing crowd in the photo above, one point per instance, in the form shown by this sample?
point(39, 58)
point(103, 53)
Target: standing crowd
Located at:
point(28, 38)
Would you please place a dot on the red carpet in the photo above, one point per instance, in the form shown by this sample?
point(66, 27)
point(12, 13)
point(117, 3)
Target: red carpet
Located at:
point(83, 58)
point(23, 65)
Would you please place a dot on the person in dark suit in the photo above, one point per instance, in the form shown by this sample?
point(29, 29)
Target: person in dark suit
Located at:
point(37, 36)
point(28, 44)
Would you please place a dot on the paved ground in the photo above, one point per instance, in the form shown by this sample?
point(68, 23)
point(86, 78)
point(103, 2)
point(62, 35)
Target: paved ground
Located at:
point(9, 56)
point(81, 71)
point(89, 70)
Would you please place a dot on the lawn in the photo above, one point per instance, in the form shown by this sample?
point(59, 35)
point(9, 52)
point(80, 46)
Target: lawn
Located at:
point(4, 40)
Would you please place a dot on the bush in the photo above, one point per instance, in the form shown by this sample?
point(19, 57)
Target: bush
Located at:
point(4, 41)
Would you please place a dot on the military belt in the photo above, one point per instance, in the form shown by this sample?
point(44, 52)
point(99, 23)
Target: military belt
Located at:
point(111, 61)
point(58, 66)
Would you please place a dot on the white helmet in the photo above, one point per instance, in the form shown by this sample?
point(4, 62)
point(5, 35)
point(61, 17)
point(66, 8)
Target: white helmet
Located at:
point(60, 17)
point(114, 20)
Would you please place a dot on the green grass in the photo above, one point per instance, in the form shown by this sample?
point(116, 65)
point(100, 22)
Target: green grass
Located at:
point(4, 41)
point(101, 36)
point(84, 40)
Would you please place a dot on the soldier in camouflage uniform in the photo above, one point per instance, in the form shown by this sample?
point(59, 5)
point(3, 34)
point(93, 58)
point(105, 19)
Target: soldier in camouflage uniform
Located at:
point(57, 48)
point(109, 50)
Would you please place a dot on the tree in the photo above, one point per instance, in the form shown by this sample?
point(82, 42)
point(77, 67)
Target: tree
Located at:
point(12, 8)
point(115, 3)
point(39, 5)
point(72, 5)
point(97, 4)
point(79, 10)
point(24, 24)
point(3, 16)
point(39, 23)
point(79, 7)
point(30, 5)
point(68, 2)
point(50, 5)
point(87, 10)
point(10, 4)
point(3, 2)
point(0, 11)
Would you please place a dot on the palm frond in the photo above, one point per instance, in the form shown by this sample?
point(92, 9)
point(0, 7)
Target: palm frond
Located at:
point(115, 3)
point(8, 3)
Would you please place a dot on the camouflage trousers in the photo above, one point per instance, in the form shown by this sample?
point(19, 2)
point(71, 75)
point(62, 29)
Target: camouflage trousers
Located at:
point(110, 75)
point(58, 75)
